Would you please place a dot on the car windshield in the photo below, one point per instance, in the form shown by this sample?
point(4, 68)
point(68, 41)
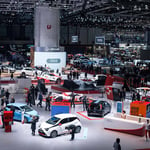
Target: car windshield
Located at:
point(26, 108)
point(53, 120)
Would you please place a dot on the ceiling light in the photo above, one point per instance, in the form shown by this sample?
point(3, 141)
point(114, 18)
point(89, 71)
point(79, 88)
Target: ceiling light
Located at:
point(122, 7)
point(146, 7)
point(135, 7)
point(139, 9)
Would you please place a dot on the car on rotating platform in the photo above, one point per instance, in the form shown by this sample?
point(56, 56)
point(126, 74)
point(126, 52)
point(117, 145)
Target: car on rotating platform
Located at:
point(98, 108)
point(19, 108)
point(59, 124)
point(66, 96)
point(47, 76)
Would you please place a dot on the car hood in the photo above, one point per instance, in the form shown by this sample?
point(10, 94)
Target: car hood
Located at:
point(46, 125)
point(33, 113)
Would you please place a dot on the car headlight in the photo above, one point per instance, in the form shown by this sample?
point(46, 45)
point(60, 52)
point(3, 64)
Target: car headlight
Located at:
point(46, 129)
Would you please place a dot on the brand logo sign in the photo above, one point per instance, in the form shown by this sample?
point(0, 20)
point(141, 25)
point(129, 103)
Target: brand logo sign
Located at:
point(53, 60)
point(49, 26)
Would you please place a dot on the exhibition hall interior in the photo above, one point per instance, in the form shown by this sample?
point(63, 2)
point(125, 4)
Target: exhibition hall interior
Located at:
point(75, 74)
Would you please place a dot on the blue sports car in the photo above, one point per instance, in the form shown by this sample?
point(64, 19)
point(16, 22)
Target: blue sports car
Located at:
point(19, 108)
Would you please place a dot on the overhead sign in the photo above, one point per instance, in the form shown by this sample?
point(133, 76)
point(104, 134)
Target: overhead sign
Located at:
point(53, 60)
point(99, 40)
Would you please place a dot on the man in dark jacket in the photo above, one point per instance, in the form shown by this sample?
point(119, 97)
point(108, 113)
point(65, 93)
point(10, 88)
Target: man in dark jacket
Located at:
point(29, 99)
point(48, 101)
point(32, 89)
point(40, 100)
point(72, 100)
point(84, 103)
point(72, 130)
point(33, 125)
point(7, 97)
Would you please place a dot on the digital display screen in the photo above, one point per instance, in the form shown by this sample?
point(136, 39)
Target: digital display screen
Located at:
point(74, 39)
point(99, 40)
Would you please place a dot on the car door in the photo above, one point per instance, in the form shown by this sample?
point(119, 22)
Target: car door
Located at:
point(17, 113)
point(63, 124)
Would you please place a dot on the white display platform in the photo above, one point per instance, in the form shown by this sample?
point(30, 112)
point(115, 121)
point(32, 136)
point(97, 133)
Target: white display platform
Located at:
point(130, 125)
point(54, 60)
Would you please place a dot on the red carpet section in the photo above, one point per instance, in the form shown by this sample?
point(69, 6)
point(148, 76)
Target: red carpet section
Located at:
point(64, 102)
point(8, 82)
point(84, 114)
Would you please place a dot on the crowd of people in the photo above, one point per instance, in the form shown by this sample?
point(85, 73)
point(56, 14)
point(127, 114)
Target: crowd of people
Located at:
point(5, 97)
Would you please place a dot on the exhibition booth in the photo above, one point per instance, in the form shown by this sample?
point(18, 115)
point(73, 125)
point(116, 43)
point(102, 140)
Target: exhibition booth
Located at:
point(132, 124)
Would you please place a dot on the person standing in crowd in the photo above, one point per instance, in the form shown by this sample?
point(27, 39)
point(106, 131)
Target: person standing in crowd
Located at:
point(147, 130)
point(117, 145)
point(40, 100)
point(85, 75)
point(33, 125)
point(133, 96)
point(138, 96)
point(3, 92)
point(74, 75)
point(7, 97)
point(12, 100)
point(2, 115)
point(48, 101)
point(84, 103)
point(7, 94)
point(32, 89)
point(77, 74)
point(36, 92)
point(36, 74)
point(72, 100)
point(29, 102)
point(12, 76)
point(70, 75)
point(2, 101)
point(13, 110)
point(72, 132)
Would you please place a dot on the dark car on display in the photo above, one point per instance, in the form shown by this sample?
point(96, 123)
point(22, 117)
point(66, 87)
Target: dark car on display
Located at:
point(98, 108)
point(79, 85)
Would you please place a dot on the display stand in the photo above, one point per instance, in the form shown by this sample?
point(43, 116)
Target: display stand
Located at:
point(140, 108)
point(59, 108)
point(8, 119)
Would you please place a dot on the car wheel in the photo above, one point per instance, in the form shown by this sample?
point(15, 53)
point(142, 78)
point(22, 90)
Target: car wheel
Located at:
point(58, 81)
point(78, 129)
point(53, 134)
point(25, 120)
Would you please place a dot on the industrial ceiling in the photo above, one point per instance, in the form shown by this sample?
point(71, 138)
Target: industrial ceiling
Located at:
point(106, 14)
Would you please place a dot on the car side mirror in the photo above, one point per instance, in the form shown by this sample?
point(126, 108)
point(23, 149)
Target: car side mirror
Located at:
point(59, 124)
